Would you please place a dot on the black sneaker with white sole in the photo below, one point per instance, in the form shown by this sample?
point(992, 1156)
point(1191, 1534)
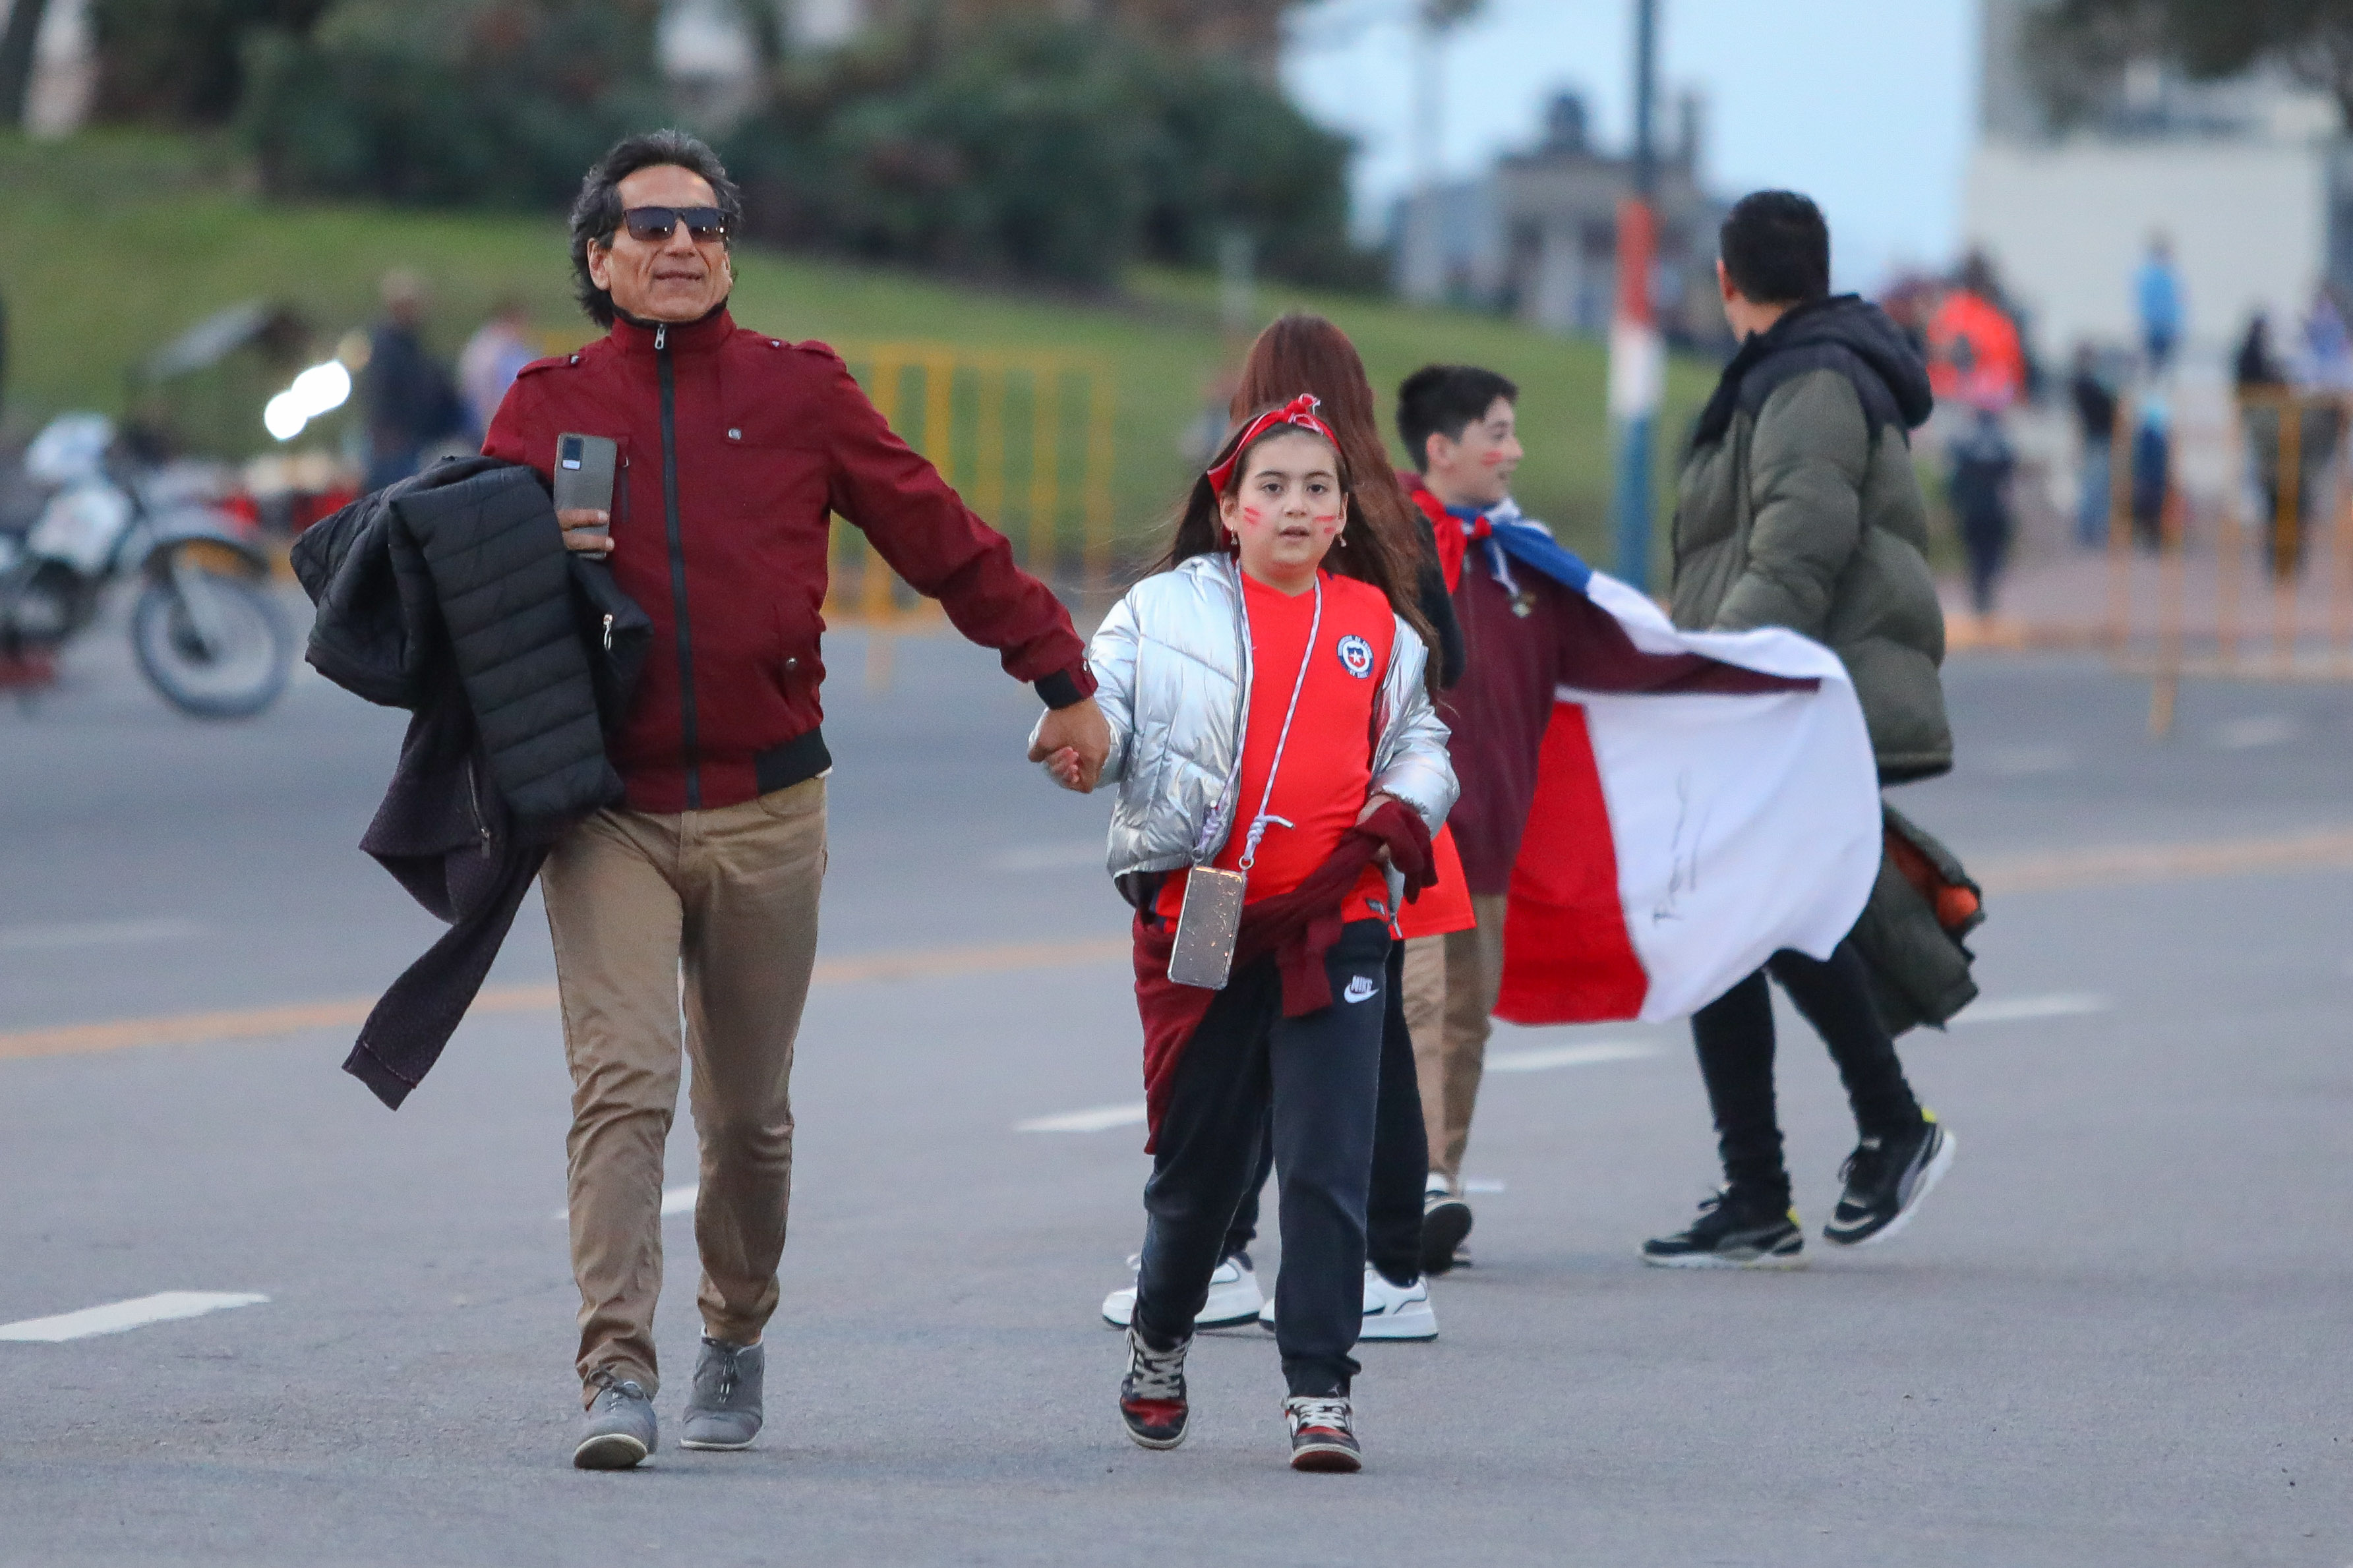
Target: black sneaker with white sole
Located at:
point(1445, 1221)
point(1732, 1232)
point(1886, 1179)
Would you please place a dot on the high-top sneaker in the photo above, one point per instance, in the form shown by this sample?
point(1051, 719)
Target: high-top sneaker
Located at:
point(1321, 1434)
point(1152, 1402)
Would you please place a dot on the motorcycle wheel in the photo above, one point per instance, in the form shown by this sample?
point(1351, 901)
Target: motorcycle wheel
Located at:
point(225, 657)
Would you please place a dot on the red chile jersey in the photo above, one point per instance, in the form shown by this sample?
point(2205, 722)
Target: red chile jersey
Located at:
point(1328, 764)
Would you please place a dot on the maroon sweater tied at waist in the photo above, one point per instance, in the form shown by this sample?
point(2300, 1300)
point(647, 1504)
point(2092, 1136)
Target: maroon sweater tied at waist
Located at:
point(1298, 927)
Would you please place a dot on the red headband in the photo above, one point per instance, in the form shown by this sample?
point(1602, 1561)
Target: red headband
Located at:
point(1300, 411)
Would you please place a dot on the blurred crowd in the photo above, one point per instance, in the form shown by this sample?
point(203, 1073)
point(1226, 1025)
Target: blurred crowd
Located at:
point(2291, 392)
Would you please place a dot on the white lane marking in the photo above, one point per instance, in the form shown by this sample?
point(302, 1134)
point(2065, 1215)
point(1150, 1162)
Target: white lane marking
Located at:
point(2018, 1009)
point(1102, 1118)
point(117, 1316)
point(675, 1200)
point(93, 934)
point(1480, 1185)
point(1079, 856)
point(1543, 1057)
point(2262, 730)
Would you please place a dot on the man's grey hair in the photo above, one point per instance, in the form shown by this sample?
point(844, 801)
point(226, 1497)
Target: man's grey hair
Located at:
point(597, 214)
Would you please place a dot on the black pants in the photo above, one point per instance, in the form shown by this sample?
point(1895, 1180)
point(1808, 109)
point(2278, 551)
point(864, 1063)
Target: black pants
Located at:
point(1735, 1037)
point(1320, 1075)
point(1400, 1154)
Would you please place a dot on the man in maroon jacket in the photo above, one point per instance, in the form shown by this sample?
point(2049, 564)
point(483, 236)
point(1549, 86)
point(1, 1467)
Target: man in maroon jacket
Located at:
point(734, 450)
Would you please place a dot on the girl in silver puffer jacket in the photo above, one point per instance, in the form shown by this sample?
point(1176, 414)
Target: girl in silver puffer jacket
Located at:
point(1280, 772)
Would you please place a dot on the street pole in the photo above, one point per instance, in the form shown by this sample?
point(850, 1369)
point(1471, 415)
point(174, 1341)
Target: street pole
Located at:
point(1637, 354)
point(1423, 270)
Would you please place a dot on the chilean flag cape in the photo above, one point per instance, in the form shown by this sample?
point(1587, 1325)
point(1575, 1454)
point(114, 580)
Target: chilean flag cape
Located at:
point(1703, 800)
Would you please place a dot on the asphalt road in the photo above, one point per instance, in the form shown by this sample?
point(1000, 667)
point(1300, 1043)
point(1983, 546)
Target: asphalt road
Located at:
point(2117, 1334)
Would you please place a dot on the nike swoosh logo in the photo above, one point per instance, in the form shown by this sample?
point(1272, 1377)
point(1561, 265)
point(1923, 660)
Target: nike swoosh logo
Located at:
point(1359, 990)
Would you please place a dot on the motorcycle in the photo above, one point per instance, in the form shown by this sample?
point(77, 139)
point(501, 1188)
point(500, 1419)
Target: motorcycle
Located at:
point(204, 628)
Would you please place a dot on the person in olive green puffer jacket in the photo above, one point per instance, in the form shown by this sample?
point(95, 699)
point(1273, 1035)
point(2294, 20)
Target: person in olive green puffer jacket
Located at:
point(1798, 508)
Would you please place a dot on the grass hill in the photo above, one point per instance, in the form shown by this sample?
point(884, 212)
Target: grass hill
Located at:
point(118, 242)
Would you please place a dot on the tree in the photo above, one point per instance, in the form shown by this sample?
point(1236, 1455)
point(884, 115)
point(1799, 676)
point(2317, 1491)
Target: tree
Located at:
point(182, 61)
point(1042, 149)
point(2078, 49)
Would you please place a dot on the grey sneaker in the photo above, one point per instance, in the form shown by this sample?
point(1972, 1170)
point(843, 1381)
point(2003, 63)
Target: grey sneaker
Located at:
point(723, 1410)
point(618, 1430)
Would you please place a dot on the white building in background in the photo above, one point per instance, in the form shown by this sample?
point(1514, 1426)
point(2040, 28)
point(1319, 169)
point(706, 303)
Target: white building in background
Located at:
point(1536, 237)
point(2250, 179)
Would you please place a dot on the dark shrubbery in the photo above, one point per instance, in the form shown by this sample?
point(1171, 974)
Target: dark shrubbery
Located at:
point(1043, 150)
point(452, 102)
point(180, 62)
point(1029, 150)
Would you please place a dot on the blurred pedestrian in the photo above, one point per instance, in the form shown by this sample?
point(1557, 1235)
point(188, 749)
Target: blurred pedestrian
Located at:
point(1983, 464)
point(2327, 349)
point(491, 359)
point(734, 449)
point(1798, 507)
point(1275, 747)
point(2152, 464)
point(2095, 425)
point(407, 397)
point(1302, 353)
point(1976, 365)
point(2267, 403)
point(2157, 297)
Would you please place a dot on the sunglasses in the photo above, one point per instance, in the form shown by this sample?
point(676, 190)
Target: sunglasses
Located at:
point(653, 225)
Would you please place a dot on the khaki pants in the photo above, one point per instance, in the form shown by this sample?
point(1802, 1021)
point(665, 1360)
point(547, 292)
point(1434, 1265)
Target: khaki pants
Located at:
point(1450, 983)
point(727, 900)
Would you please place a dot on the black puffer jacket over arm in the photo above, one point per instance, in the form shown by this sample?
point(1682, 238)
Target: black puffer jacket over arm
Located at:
point(451, 594)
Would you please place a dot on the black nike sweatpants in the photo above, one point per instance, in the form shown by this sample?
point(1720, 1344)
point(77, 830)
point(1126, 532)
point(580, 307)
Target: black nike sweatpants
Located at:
point(1400, 1154)
point(1320, 1077)
point(1734, 1038)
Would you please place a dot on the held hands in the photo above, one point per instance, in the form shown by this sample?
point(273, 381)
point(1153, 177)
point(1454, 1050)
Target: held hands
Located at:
point(1372, 806)
point(1073, 744)
point(586, 529)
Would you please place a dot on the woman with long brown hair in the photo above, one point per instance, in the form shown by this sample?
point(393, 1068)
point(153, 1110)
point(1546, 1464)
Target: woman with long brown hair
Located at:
point(1304, 352)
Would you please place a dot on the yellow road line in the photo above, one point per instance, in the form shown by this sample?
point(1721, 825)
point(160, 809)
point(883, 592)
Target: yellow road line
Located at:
point(2117, 865)
point(2123, 864)
point(268, 1023)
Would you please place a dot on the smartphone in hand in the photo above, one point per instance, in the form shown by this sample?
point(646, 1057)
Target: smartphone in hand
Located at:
point(585, 467)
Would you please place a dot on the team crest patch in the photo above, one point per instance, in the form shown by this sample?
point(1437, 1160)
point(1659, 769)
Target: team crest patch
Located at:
point(1356, 656)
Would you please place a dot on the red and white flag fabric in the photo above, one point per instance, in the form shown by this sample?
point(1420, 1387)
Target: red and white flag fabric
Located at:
point(1705, 800)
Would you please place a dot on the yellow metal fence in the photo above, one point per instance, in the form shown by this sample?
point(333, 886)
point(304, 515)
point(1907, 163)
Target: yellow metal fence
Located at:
point(1026, 437)
point(2210, 592)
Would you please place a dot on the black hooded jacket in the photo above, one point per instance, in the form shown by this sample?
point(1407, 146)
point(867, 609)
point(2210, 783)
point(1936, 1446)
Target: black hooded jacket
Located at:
point(451, 594)
point(1845, 333)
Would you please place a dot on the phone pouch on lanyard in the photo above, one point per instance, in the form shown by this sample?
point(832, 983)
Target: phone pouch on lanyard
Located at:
point(1207, 927)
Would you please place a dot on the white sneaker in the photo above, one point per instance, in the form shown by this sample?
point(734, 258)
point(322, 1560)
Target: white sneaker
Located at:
point(1391, 1311)
point(1234, 1297)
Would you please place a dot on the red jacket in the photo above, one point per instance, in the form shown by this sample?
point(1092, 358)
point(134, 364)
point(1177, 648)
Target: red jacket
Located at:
point(734, 449)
